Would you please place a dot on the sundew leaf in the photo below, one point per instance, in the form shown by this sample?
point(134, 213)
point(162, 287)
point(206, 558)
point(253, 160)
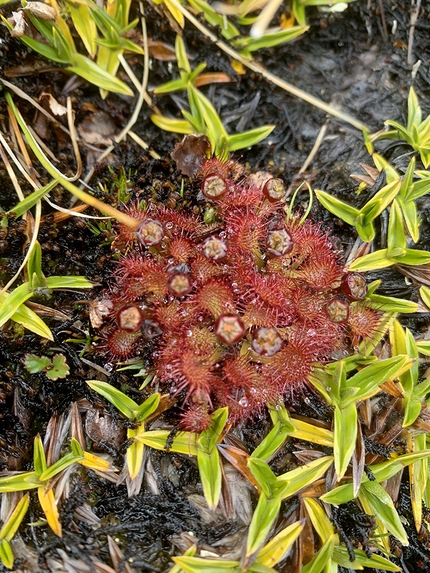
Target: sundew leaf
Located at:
point(262, 520)
point(12, 524)
point(123, 403)
point(210, 475)
point(277, 547)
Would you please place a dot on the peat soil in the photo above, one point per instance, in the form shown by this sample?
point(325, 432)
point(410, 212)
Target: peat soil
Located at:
point(357, 60)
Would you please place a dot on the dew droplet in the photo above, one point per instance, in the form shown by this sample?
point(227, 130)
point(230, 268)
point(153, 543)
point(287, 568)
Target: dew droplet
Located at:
point(243, 402)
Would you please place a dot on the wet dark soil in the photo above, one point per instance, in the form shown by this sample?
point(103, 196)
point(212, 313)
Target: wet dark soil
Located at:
point(356, 60)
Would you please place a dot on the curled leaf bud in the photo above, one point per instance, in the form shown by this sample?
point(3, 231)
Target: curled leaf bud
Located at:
point(129, 318)
point(214, 248)
point(266, 341)
point(337, 310)
point(274, 190)
point(214, 187)
point(150, 232)
point(229, 328)
point(279, 242)
point(179, 284)
point(354, 286)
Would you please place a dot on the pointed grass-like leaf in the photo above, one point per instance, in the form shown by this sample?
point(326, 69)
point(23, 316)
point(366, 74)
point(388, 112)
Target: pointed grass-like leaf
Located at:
point(320, 521)
point(29, 320)
point(249, 44)
point(371, 377)
point(382, 507)
point(84, 25)
point(410, 216)
point(382, 164)
point(6, 553)
point(311, 433)
point(407, 181)
point(209, 437)
point(278, 547)
point(123, 403)
point(200, 565)
point(345, 436)
point(262, 521)
point(379, 202)
point(148, 407)
point(396, 239)
point(414, 257)
point(94, 74)
point(414, 110)
point(19, 482)
point(93, 462)
point(31, 200)
point(341, 557)
point(425, 295)
point(248, 138)
point(372, 262)
point(418, 478)
point(227, 29)
point(392, 304)
point(47, 501)
point(182, 126)
point(68, 282)
point(263, 474)
point(134, 454)
point(295, 480)
point(39, 458)
point(11, 302)
point(272, 442)
point(59, 466)
point(322, 558)
point(12, 524)
point(337, 207)
point(182, 443)
point(210, 475)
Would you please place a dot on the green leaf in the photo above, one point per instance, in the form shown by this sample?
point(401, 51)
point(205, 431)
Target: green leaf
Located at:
point(278, 547)
point(209, 437)
point(200, 565)
point(183, 443)
point(345, 436)
point(170, 124)
point(148, 407)
point(396, 239)
point(134, 455)
point(341, 556)
point(210, 475)
point(12, 524)
point(414, 110)
point(58, 368)
point(35, 364)
point(248, 138)
point(93, 73)
point(19, 482)
point(293, 481)
point(273, 441)
point(321, 559)
point(320, 521)
point(340, 209)
point(228, 30)
point(372, 262)
point(380, 201)
point(263, 474)
point(68, 282)
point(31, 200)
point(59, 466)
point(29, 319)
point(12, 302)
point(6, 553)
point(374, 375)
point(262, 520)
point(392, 304)
point(39, 458)
point(84, 25)
point(414, 257)
point(409, 212)
point(383, 507)
point(249, 44)
point(181, 54)
point(123, 403)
